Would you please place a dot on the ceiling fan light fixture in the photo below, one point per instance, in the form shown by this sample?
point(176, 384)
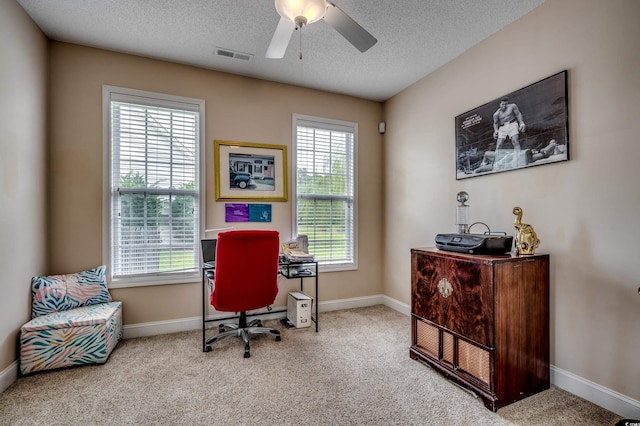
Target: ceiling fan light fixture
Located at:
point(302, 11)
point(294, 14)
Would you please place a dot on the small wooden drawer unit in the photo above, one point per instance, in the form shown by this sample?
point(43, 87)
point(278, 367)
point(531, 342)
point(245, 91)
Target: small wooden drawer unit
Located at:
point(482, 321)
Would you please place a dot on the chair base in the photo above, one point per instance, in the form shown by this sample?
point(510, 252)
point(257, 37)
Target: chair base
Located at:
point(243, 330)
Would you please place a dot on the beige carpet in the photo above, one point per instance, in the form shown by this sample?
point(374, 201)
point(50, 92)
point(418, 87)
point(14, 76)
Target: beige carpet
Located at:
point(355, 371)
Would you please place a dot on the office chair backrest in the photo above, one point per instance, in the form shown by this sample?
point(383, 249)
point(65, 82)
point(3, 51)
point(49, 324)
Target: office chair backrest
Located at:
point(246, 275)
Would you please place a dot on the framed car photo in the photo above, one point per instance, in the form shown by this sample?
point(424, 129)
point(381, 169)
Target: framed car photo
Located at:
point(250, 171)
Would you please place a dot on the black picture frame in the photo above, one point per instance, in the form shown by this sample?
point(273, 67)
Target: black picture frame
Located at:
point(544, 109)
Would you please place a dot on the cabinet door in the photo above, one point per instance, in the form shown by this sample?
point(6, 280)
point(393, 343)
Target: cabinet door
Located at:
point(469, 308)
point(426, 301)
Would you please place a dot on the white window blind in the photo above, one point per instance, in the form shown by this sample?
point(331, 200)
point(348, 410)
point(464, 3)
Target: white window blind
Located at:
point(154, 187)
point(325, 189)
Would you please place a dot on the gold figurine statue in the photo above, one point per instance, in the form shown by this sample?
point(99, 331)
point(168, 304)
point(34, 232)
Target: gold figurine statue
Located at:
point(526, 239)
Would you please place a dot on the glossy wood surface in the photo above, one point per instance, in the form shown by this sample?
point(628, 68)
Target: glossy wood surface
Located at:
point(468, 310)
point(498, 304)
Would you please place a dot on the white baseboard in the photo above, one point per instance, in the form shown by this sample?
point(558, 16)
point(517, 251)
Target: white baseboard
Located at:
point(403, 308)
point(183, 324)
point(195, 323)
point(595, 393)
point(154, 328)
point(592, 392)
point(8, 376)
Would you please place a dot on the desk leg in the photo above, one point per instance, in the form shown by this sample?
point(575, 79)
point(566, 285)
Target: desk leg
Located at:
point(317, 298)
point(205, 348)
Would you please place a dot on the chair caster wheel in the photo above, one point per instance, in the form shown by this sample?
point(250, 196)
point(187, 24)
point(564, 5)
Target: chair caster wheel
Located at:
point(278, 338)
point(206, 349)
point(247, 355)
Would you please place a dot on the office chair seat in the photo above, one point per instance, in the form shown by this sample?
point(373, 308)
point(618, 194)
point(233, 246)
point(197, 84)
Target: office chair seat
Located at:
point(246, 278)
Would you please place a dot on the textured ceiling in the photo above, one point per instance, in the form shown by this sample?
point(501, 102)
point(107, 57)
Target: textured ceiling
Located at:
point(415, 37)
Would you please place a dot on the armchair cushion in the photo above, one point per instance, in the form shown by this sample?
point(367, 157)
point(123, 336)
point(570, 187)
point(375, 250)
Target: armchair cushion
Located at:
point(57, 293)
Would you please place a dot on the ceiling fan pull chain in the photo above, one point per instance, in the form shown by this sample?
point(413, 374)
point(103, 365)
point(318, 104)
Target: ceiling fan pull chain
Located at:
point(300, 56)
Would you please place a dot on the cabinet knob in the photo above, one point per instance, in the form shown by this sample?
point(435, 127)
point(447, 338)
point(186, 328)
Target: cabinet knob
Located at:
point(445, 288)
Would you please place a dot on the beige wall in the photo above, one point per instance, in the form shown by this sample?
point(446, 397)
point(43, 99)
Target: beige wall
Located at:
point(585, 211)
point(23, 67)
point(237, 108)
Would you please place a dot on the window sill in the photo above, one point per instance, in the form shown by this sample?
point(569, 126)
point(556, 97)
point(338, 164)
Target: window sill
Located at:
point(337, 268)
point(154, 280)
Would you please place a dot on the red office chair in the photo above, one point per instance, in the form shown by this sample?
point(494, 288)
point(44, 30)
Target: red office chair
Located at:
point(246, 278)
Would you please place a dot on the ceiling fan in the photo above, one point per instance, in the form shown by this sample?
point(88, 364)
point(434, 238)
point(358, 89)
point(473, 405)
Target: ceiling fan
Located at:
point(296, 13)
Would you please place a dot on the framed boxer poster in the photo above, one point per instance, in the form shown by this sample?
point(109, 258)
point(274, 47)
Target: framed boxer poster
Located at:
point(525, 128)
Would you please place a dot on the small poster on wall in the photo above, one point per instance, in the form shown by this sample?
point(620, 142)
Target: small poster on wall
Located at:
point(235, 212)
point(520, 129)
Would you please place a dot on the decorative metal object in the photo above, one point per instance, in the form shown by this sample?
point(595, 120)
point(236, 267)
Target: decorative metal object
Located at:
point(462, 213)
point(445, 288)
point(526, 240)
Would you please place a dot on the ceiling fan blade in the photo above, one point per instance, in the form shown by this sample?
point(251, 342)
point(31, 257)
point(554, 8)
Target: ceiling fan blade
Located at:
point(349, 28)
point(280, 39)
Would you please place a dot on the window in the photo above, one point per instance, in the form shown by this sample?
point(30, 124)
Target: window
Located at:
point(325, 208)
point(152, 187)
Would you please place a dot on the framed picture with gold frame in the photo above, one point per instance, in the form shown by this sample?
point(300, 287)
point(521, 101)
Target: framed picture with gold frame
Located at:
point(250, 171)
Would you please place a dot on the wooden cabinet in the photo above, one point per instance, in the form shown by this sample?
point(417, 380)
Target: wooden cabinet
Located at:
point(482, 321)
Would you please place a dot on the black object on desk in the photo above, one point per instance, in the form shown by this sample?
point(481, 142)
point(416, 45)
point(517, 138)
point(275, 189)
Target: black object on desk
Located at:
point(209, 253)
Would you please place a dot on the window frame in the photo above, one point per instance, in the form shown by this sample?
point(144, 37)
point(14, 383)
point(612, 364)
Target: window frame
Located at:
point(114, 93)
point(327, 124)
